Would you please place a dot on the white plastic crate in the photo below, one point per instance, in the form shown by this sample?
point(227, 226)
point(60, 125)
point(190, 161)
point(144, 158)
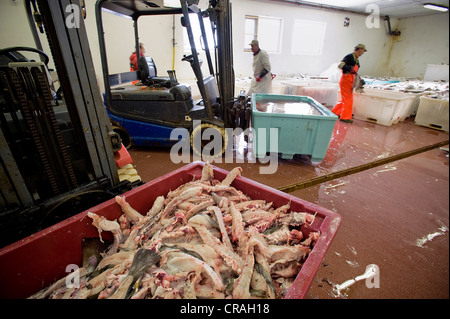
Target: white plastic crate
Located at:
point(323, 92)
point(277, 86)
point(433, 113)
point(382, 107)
point(414, 105)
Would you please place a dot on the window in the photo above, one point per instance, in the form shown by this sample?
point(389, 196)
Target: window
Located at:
point(308, 37)
point(267, 30)
point(196, 31)
point(251, 30)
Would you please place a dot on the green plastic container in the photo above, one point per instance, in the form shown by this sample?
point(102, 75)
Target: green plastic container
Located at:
point(289, 125)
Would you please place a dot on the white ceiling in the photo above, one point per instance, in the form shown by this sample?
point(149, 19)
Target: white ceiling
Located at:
point(392, 8)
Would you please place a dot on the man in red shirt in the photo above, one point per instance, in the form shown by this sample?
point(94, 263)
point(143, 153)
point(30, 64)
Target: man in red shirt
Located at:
point(134, 59)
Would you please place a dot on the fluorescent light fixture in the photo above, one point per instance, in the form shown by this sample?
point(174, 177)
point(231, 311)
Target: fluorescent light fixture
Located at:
point(172, 3)
point(435, 7)
point(341, 3)
point(116, 13)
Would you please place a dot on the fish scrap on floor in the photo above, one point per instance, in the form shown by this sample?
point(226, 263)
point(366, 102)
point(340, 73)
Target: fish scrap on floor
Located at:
point(205, 239)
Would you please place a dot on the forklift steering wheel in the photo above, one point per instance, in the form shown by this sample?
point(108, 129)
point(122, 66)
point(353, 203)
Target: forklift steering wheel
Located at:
point(8, 52)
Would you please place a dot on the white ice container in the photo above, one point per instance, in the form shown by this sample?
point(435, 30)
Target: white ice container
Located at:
point(325, 93)
point(381, 107)
point(433, 113)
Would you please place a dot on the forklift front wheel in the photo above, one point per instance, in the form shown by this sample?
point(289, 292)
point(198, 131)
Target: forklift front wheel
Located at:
point(124, 136)
point(198, 142)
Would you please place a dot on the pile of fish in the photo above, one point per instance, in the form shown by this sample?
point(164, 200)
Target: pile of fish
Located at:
point(438, 90)
point(205, 239)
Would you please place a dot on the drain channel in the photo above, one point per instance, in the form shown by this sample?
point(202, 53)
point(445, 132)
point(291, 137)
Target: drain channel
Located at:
point(325, 178)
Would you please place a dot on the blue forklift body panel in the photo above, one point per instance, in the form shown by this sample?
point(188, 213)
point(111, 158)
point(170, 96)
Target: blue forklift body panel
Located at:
point(148, 134)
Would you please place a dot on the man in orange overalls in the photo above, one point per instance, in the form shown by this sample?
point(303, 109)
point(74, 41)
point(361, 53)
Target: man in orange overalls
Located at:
point(349, 66)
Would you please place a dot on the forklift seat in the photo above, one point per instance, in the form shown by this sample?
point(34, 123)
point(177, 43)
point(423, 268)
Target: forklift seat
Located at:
point(148, 74)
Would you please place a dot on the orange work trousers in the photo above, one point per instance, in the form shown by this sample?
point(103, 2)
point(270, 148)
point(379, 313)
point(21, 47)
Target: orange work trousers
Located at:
point(344, 107)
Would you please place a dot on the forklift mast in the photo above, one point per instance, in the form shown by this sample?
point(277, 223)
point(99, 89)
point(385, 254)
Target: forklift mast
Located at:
point(220, 15)
point(73, 61)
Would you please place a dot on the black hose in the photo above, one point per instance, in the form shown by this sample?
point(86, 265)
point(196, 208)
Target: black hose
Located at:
point(14, 49)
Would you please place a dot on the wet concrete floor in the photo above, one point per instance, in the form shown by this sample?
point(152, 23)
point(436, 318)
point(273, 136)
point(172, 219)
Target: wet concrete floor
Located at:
point(394, 215)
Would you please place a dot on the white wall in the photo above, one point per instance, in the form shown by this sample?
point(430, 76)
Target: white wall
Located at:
point(339, 40)
point(15, 30)
point(423, 40)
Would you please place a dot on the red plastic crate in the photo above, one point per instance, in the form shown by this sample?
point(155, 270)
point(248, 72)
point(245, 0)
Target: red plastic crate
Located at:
point(37, 261)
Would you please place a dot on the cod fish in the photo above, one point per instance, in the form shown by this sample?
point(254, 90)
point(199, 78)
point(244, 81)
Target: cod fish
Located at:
point(144, 259)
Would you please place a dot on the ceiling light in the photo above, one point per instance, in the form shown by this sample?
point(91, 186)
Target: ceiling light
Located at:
point(342, 3)
point(172, 3)
point(435, 7)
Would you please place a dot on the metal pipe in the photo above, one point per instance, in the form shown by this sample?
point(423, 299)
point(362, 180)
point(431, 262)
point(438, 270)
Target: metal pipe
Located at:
point(196, 64)
point(395, 32)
